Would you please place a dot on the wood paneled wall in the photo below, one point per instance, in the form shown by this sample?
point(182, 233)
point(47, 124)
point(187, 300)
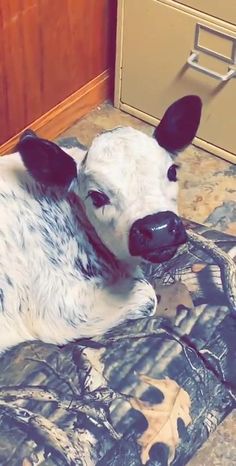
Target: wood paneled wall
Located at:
point(49, 49)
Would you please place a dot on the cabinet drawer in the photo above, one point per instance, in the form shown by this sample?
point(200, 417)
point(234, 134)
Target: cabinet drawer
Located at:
point(222, 9)
point(157, 41)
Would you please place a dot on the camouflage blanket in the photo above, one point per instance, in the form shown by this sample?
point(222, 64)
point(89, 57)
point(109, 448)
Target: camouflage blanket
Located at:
point(148, 392)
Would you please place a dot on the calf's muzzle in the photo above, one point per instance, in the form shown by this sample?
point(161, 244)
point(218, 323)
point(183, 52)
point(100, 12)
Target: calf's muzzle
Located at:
point(157, 237)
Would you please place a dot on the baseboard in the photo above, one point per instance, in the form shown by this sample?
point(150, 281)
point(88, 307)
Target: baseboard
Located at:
point(63, 115)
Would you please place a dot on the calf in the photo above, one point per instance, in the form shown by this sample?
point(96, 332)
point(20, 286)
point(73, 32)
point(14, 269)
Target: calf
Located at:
point(75, 226)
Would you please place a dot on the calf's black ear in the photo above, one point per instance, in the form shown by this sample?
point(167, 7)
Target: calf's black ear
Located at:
point(179, 124)
point(45, 161)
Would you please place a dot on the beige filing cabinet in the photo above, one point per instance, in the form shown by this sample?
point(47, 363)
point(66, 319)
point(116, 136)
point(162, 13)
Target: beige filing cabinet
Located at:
point(167, 49)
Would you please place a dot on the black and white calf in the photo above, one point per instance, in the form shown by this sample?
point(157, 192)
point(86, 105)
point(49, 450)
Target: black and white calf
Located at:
point(75, 226)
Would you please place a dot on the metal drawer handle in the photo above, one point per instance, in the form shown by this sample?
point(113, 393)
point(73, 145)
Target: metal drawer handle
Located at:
point(193, 62)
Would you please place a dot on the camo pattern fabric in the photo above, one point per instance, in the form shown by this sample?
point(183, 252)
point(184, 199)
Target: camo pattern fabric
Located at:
point(149, 392)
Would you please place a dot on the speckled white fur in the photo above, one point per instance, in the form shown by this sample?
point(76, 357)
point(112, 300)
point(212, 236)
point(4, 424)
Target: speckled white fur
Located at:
point(54, 286)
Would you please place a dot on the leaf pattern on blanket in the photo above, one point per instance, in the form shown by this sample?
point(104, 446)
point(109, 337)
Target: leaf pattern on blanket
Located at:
point(170, 298)
point(163, 417)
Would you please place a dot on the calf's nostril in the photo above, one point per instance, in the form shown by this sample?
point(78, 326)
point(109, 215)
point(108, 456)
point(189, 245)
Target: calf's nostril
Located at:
point(145, 233)
point(174, 226)
point(174, 230)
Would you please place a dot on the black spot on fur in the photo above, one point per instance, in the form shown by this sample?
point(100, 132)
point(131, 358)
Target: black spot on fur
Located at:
point(8, 280)
point(84, 159)
point(54, 261)
point(31, 228)
point(88, 272)
point(1, 299)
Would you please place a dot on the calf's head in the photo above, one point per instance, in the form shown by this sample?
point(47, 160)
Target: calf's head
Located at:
point(127, 182)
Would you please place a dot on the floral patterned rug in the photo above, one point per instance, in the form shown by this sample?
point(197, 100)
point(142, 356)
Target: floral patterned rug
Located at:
point(208, 190)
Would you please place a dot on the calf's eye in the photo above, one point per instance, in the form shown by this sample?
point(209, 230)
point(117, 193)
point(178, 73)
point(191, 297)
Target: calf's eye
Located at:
point(172, 172)
point(98, 199)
